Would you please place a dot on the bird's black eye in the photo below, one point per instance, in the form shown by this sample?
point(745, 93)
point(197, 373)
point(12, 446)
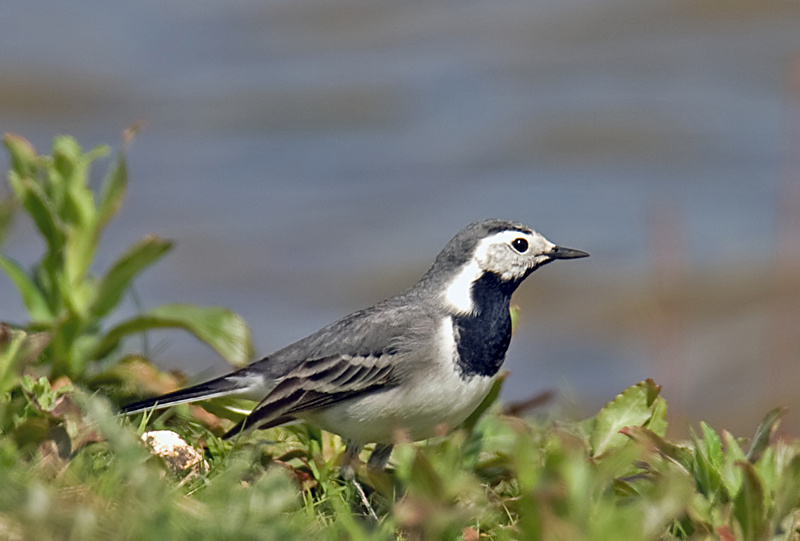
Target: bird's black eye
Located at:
point(520, 245)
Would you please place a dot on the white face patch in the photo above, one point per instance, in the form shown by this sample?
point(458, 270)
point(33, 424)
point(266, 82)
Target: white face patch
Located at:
point(458, 294)
point(496, 254)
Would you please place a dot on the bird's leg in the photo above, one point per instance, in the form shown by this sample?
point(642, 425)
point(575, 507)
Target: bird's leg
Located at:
point(348, 473)
point(349, 461)
point(380, 457)
point(377, 475)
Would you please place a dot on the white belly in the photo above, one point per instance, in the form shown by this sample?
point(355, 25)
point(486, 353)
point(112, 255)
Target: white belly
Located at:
point(434, 400)
point(418, 412)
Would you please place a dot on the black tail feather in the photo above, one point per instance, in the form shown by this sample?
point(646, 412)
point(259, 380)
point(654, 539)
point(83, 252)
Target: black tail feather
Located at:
point(211, 389)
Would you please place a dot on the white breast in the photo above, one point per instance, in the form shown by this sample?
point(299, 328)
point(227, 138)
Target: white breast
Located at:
point(435, 396)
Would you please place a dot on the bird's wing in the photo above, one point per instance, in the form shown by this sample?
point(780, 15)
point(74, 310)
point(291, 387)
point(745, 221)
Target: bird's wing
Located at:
point(354, 355)
point(391, 326)
point(382, 331)
point(318, 383)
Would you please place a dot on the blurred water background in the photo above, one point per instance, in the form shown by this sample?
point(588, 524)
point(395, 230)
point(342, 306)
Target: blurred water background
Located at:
point(311, 157)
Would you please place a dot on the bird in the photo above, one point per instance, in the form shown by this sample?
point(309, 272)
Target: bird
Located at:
point(411, 364)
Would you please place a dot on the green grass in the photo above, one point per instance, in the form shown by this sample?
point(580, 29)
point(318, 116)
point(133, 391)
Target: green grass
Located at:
point(71, 468)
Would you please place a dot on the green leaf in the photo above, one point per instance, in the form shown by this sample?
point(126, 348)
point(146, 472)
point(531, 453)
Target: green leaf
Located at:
point(138, 257)
point(45, 275)
point(67, 183)
point(730, 472)
point(749, 508)
point(79, 199)
point(71, 162)
point(79, 250)
point(22, 154)
point(33, 299)
point(633, 407)
point(66, 152)
point(113, 191)
point(220, 328)
point(712, 445)
point(78, 208)
point(65, 166)
point(764, 432)
point(515, 316)
point(787, 494)
point(658, 420)
point(7, 208)
point(708, 462)
point(39, 207)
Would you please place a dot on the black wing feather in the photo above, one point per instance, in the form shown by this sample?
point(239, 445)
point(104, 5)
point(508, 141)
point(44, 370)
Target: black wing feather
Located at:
point(319, 383)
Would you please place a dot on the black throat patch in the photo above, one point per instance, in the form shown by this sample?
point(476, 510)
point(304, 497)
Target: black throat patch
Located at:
point(482, 338)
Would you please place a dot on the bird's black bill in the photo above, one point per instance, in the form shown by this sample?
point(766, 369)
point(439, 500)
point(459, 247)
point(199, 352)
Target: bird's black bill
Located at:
point(559, 252)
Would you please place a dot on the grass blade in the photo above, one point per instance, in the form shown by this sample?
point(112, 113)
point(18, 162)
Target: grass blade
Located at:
point(764, 432)
point(33, 299)
point(136, 259)
point(220, 328)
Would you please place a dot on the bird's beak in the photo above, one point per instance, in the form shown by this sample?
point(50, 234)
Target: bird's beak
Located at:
point(559, 252)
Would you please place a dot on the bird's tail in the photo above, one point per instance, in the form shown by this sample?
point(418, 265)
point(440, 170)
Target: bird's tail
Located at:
point(241, 382)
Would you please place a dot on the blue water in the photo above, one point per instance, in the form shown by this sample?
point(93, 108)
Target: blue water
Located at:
point(311, 157)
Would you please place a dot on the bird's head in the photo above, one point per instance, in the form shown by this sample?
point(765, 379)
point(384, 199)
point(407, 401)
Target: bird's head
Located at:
point(505, 251)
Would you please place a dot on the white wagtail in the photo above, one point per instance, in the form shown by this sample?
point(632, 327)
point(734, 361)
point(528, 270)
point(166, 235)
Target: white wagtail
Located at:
point(417, 361)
